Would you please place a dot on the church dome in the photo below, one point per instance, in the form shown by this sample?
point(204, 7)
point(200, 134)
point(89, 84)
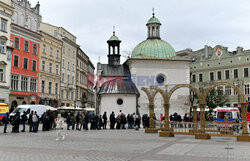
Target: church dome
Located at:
point(153, 48)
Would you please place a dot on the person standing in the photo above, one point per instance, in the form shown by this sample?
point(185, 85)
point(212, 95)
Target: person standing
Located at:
point(59, 126)
point(23, 120)
point(44, 128)
point(86, 119)
point(100, 123)
point(17, 122)
point(68, 121)
point(82, 121)
point(6, 122)
point(35, 122)
point(30, 122)
point(77, 121)
point(73, 121)
point(104, 120)
point(112, 120)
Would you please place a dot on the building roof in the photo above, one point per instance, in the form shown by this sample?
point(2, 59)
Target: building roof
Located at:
point(113, 70)
point(118, 86)
point(153, 48)
point(114, 38)
point(153, 20)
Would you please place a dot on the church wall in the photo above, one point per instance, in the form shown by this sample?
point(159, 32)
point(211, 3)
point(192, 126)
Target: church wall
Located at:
point(109, 103)
point(175, 72)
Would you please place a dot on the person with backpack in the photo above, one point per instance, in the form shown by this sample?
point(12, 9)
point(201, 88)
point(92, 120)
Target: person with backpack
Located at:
point(23, 120)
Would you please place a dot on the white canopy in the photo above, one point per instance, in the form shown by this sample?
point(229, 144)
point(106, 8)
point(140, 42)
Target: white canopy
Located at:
point(66, 108)
point(198, 109)
point(89, 109)
point(50, 108)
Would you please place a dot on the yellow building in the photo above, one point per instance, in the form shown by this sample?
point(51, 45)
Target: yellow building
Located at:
point(5, 49)
point(68, 62)
point(50, 70)
point(81, 78)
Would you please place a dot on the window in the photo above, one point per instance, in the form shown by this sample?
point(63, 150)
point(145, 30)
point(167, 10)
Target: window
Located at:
point(1, 75)
point(33, 84)
point(44, 48)
point(57, 54)
point(16, 61)
point(63, 63)
point(72, 96)
point(43, 65)
point(2, 47)
point(227, 74)
point(73, 67)
point(235, 73)
point(68, 78)
point(212, 76)
point(62, 96)
point(50, 67)
point(56, 88)
point(194, 80)
point(67, 95)
point(55, 33)
point(69, 52)
point(14, 82)
point(220, 90)
point(43, 86)
point(73, 80)
point(63, 77)
point(16, 43)
point(34, 49)
point(246, 74)
point(34, 65)
point(51, 52)
point(68, 65)
point(219, 75)
point(25, 63)
point(57, 69)
point(228, 90)
point(26, 46)
point(24, 84)
point(4, 25)
point(50, 86)
point(246, 89)
point(119, 101)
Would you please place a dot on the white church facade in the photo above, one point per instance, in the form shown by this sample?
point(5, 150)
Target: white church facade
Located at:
point(152, 62)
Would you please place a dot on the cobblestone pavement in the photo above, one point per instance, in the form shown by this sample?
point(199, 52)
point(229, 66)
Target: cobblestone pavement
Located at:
point(117, 145)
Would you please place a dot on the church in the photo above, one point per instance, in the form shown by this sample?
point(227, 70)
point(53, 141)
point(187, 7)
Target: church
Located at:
point(153, 62)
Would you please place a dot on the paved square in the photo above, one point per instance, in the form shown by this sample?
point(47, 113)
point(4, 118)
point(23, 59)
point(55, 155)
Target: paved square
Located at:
point(117, 145)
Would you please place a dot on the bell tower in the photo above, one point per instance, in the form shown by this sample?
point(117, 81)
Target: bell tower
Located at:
point(153, 25)
point(114, 50)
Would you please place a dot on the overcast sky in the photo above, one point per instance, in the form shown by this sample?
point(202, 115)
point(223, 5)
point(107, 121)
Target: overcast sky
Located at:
point(185, 23)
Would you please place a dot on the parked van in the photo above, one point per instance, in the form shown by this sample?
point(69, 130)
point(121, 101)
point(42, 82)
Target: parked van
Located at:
point(4, 108)
point(40, 109)
point(231, 112)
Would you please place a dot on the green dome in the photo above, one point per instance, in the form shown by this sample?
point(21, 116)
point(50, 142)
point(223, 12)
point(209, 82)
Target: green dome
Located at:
point(153, 20)
point(114, 38)
point(153, 48)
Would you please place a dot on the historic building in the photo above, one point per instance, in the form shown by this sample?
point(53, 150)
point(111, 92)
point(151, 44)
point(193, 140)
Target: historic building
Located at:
point(91, 92)
point(25, 57)
point(152, 62)
point(217, 64)
point(50, 70)
point(81, 78)
point(5, 49)
point(68, 62)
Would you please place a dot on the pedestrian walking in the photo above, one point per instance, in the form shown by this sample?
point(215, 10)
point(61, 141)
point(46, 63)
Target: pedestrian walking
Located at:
point(59, 126)
point(5, 122)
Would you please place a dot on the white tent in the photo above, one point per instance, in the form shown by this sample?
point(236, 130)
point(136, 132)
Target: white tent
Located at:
point(89, 109)
point(66, 108)
point(50, 108)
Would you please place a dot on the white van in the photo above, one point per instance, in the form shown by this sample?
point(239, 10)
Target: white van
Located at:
point(232, 113)
point(40, 109)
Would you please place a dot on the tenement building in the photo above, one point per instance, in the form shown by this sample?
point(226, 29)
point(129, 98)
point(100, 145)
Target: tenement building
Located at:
point(217, 64)
point(152, 62)
point(50, 70)
point(26, 38)
point(81, 78)
point(68, 62)
point(91, 92)
point(5, 49)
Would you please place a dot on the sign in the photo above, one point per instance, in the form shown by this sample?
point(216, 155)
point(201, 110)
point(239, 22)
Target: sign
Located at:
point(219, 52)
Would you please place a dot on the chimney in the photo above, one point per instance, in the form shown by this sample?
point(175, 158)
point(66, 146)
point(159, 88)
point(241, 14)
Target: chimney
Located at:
point(206, 51)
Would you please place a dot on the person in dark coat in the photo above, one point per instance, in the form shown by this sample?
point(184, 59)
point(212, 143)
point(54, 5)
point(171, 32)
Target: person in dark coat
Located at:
point(104, 120)
point(147, 121)
point(68, 121)
point(17, 122)
point(44, 121)
point(86, 119)
point(100, 123)
point(5, 121)
point(23, 120)
point(137, 122)
point(112, 120)
point(118, 122)
point(30, 122)
point(77, 121)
